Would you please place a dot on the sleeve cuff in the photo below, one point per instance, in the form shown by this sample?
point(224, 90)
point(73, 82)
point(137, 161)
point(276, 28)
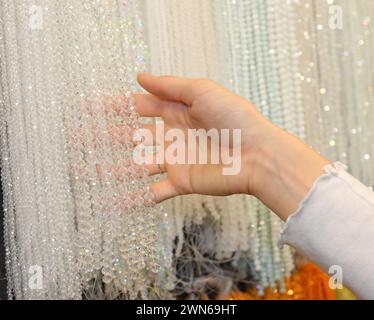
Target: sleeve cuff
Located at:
point(334, 226)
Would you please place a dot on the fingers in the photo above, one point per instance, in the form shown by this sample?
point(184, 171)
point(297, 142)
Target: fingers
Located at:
point(155, 169)
point(151, 161)
point(164, 190)
point(153, 165)
point(168, 87)
point(148, 105)
point(146, 134)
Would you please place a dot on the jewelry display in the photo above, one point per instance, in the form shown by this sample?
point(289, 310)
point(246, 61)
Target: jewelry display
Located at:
point(80, 218)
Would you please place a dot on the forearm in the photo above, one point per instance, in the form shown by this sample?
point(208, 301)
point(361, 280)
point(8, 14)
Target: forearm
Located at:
point(283, 170)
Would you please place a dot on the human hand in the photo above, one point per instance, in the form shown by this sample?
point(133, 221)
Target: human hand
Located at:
point(276, 167)
point(201, 104)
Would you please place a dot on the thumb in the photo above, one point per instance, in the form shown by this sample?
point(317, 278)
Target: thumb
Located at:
point(169, 87)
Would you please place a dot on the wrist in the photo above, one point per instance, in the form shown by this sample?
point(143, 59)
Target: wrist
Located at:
point(259, 156)
point(282, 169)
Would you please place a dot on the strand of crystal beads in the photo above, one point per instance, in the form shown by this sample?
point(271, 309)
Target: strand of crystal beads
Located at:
point(260, 85)
point(309, 76)
point(259, 94)
point(16, 157)
point(289, 95)
point(275, 98)
point(36, 101)
point(131, 15)
point(295, 52)
point(9, 203)
point(109, 121)
point(76, 136)
point(246, 63)
point(42, 163)
point(332, 144)
point(285, 58)
point(15, 95)
point(68, 232)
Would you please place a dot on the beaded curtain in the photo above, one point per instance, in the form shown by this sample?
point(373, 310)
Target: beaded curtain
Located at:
point(76, 206)
point(79, 213)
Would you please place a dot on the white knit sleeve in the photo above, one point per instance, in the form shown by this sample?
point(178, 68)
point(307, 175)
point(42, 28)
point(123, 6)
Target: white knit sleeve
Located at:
point(334, 226)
